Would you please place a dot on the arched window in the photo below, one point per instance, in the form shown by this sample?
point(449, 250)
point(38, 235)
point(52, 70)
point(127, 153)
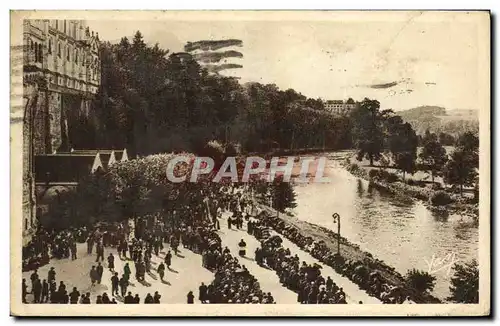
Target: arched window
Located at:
point(76, 56)
point(31, 44)
point(83, 59)
point(50, 45)
point(59, 49)
point(67, 53)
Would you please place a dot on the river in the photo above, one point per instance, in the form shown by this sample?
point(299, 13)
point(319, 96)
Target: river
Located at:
point(404, 234)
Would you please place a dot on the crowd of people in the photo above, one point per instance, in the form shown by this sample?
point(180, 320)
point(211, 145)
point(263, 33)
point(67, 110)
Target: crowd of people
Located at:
point(362, 273)
point(232, 281)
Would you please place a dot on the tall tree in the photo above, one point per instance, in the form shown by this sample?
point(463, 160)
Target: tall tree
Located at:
point(368, 135)
point(402, 142)
point(433, 155)
point(461, 169)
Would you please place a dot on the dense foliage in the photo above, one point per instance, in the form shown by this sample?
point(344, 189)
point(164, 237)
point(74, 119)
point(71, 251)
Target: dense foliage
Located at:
point(154, 101)
point(465, 283)
point(420, 281)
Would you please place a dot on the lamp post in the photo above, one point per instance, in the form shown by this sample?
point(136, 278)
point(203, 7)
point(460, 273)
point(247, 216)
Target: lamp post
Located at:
point(336, 219)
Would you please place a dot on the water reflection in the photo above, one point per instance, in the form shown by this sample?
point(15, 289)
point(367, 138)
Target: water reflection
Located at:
point(400, 231)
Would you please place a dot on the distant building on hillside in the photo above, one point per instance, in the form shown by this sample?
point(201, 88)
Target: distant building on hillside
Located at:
point(340, 107)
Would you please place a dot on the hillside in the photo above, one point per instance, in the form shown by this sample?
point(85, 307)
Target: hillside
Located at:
point(438, 119)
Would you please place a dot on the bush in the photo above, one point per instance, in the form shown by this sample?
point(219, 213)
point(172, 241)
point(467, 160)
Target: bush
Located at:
point(354, 167)
point(440, 198)
point(420, 281)
point(411, 182)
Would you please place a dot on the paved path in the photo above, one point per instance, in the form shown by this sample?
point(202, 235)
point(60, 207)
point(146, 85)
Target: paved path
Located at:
point(231, 238)
point(186, 275)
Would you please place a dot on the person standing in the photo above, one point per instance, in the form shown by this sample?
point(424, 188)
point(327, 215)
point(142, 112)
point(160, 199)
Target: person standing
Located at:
point(190, 297)
point(37, 290)
point(203, 293)
point(161, 271)
point(24, 290)
point(100, 271)
point(33, 278)
point(123, 285)
point(156, 298)
point(45, 291)
point(129, 299)
point(51, 275)
point(111, 262)
point(168, 259)
point(126, 270)
point(242, 246)
point(100, 252)
point(73, 250)
point(93, 276)
point(74, 295)
point(114, 284)
point(149, 299)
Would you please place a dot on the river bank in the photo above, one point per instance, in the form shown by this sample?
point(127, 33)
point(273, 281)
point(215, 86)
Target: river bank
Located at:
point(400, 189)
point(351, 255)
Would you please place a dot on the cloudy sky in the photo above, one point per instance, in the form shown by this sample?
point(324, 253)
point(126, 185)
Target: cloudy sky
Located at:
point(404, 59)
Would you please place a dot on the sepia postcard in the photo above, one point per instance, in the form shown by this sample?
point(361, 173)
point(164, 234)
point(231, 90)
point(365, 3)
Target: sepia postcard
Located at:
point(308, 163)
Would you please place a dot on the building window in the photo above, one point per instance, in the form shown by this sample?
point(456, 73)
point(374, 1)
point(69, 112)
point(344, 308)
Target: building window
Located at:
point(40, 53)
point(64, 26)
point(59, 50)
point(67, 53)
point(76, 56)
point(30, 42)
point(57, 24)
point(74, 30)
point(83, 59)
point(50, 46)
point(36, 52)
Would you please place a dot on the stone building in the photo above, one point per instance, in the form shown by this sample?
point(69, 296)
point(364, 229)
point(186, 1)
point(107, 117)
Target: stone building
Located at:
point(61, 76)
point(340, 107)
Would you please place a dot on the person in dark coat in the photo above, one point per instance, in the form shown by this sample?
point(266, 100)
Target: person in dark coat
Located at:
point(149, 299)
point(203, 293)
point(111, 262)
point(73, 250)
point(33, 278)
point(115, 281)
point(190, 297)
point(100, 252)
point(51, 275)
point(87, 298)
point(156, 298)
point(37, 290)
point(168, 259)
point(93, 276)
point(123, 285)
point(126, 271)
point(161, 271)
point(74, 295)
point(24, 290)
point(45, 291)
point(99, 270)
point(242, 246)
point(129, 299)
point(137, 299)
point(105, 298)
